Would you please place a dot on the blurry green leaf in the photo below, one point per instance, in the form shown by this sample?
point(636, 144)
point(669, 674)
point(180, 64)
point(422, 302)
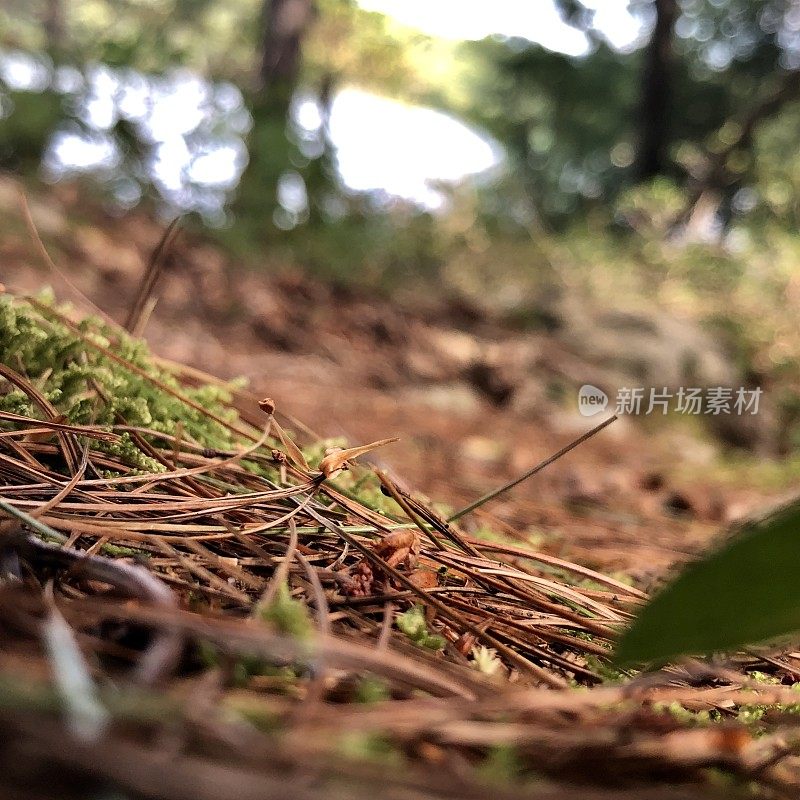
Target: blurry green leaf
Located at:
point(745, 592)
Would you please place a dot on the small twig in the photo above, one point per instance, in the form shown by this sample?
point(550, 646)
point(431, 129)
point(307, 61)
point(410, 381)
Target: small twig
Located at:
point(531, 472)
point(141, 308)
point(51, 265)
point(386, 625)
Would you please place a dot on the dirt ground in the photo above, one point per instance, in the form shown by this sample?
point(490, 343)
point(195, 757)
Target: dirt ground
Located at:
point(470, 399)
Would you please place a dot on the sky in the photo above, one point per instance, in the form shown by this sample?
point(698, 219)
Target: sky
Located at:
point(536, 20)
point(405, 150)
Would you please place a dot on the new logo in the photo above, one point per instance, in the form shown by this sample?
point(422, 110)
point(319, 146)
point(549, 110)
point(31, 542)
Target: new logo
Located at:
point(591, 400)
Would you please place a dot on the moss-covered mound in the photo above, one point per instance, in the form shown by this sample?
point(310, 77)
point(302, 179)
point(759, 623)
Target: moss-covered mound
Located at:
point(93, 374)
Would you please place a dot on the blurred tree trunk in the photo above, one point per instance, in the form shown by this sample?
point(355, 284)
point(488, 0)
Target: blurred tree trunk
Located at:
point(284, 24)
point(54, 23)
point(654, 105)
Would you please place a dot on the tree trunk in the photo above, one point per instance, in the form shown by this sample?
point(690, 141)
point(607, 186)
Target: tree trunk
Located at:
point(657, 77)
point(54, 24)
point(284, 23)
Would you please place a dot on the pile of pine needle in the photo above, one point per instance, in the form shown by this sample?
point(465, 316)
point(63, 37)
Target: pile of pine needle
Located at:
point(198, 599)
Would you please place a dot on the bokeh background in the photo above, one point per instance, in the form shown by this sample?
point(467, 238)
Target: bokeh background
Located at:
point(438, 220)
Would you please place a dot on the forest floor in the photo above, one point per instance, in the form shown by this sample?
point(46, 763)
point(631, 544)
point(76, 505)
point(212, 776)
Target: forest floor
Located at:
point(468, 396)
point(240, 559)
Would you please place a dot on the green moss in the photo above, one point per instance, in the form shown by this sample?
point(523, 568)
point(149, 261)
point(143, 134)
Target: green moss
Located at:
point(601, 667)
point(120, 550)
point(371, 690)
point(128, 452)
point(370, 747)
point(751, 715)
point(364, 485)
point(88, 386)
point(264, 719)
point(762, 677)
point(248, 666)
point(683, 714)
point(288, 615)
point(412, 624)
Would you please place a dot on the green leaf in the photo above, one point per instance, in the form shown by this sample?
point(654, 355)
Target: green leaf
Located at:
point(745, 592)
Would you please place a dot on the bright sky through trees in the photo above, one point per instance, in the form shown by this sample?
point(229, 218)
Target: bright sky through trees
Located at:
point(537, 20)
point(381, 144)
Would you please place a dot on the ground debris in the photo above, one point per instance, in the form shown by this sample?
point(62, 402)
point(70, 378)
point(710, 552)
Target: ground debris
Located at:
point(115, 465)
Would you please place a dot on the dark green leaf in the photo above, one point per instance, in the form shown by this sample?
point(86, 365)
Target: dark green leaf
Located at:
point(745, 592)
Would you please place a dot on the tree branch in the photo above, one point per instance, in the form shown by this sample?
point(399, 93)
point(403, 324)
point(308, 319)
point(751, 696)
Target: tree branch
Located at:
point(717, 174)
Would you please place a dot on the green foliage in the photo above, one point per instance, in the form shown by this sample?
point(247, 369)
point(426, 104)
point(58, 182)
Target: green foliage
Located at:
point(90, 388)
point(775, 188)
point(744, 592)
point(571, 125)
point(568, 123)
point(27, 127)
point(373, 51)
point(412, 623)
point(212, 37)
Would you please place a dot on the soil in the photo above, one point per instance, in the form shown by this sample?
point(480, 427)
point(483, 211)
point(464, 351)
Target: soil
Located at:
point(474, 401)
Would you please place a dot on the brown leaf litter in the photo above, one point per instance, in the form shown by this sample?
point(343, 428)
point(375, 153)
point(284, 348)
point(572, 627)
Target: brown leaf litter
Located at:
point(164, 580)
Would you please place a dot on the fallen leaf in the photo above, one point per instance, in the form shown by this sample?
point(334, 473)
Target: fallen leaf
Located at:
point(292, 450)
point(424, 579)
point(334, 462)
